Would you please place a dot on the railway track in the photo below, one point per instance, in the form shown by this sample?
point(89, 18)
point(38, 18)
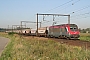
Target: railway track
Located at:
point(83, 44)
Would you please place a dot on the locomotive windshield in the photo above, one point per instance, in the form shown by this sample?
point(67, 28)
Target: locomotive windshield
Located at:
point(73, 27)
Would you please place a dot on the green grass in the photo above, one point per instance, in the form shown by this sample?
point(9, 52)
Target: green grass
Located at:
point(85, 36)
point(40, 49)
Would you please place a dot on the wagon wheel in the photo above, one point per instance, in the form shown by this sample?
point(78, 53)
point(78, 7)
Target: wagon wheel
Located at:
point(67, 38)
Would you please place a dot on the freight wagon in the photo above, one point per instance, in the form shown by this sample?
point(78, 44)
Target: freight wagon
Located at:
point(26, 31)
point(33, 32)
point(43, 31)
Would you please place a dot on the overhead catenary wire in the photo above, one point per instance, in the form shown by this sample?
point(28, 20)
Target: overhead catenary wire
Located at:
point(59, 6)
point(73, 12)
point(63, 5)
point(80, 9)
point(81, 14)
point(84, 15)
point(80, 18)
point(71, 4)
point(75, 2)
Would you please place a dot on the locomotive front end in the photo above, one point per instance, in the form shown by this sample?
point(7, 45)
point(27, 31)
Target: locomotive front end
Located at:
point(74, 31)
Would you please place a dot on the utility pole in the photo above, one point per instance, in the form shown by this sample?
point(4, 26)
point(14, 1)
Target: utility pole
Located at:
point(21, 26)
point(37, 24)
point(68, 19)
point(25, 25)
point(12, 28)
point(8, 26)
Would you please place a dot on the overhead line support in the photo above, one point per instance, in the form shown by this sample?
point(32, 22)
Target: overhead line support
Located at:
point(53, 18)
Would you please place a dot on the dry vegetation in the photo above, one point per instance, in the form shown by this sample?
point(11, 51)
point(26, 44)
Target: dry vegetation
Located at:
point(35, 48)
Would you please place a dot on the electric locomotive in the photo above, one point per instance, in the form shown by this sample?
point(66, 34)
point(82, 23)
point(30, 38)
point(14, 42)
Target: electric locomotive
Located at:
point(69, 31)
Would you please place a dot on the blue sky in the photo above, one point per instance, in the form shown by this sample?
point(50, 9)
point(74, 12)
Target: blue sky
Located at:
point(14, 11)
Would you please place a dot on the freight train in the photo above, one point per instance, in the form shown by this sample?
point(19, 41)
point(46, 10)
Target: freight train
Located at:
point(68, 31)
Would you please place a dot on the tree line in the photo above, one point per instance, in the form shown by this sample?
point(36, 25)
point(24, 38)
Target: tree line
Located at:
point(87, 30)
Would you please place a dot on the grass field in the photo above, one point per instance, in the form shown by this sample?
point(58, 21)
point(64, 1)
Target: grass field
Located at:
point(24, 48)
point(85, 36)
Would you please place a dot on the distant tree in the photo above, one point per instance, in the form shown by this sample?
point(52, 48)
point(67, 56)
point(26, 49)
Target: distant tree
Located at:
point(80, 29)
point(2, 30)
point(83, 31)
point(88, 29)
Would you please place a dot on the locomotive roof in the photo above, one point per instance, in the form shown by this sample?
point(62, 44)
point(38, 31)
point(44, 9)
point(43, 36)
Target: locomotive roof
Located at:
point(64, 25)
